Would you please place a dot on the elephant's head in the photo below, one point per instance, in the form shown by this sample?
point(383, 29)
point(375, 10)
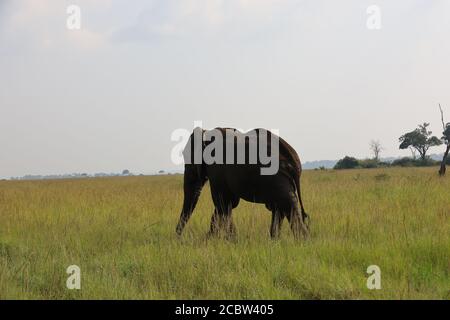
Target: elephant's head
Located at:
point(194, 176)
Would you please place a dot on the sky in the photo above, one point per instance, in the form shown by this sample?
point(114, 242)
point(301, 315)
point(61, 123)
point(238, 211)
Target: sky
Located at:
point(108, 96)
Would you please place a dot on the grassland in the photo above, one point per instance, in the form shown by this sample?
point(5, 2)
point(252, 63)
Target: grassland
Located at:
point(121, 232)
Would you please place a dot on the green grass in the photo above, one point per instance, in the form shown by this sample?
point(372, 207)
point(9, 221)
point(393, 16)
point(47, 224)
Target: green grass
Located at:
point(121, 232)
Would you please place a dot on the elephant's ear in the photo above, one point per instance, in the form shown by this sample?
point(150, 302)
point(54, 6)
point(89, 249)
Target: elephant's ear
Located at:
point(193, 152)
point(193, 149)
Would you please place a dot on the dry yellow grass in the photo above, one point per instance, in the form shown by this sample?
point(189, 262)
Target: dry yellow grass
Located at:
point(121, 232)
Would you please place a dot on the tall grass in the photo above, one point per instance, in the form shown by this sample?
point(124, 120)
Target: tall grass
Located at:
point(121, 233)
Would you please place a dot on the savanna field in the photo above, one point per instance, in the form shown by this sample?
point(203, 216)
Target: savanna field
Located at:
point(121, 233)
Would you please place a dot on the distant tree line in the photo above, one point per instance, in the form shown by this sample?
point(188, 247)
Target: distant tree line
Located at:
point(353, 163)
point(419, 140)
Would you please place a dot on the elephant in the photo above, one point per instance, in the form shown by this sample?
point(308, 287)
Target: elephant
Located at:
point(233, 180)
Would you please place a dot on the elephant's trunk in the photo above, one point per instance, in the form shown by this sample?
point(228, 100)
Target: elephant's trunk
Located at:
point(191, 195)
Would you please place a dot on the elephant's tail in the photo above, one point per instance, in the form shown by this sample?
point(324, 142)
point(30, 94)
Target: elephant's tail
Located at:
point(295, 168)
point(297, 185)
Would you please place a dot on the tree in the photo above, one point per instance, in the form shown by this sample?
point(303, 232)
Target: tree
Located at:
point(419, 139)
point(347, 163)
point(125, 172)
point(446, 139)
point(413, 153)
point(376, 148)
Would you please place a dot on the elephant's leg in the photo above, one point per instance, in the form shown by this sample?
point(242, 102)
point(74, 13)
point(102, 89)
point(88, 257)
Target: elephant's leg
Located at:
point(295, 218)
point(275, 227)
point(214, 226)
point(306, 220)
point(225, 221)
point(231, 228)
point(221, 219)
point(221, 222)
point(296, 224)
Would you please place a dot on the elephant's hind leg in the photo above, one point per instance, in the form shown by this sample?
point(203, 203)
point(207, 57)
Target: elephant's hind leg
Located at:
point(275, 227)
point(231, 228)
point(298, 227)
point(214, 226)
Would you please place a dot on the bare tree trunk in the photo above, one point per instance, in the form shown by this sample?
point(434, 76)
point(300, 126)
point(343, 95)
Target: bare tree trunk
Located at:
point(444, 158)
point(444, 161)
point(413, 153)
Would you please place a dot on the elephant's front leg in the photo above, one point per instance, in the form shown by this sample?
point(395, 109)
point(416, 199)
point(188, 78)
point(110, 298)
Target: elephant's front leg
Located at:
point(220, 222)
point(275, 227)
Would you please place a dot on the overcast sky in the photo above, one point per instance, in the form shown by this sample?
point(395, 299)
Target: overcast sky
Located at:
point(108, 96)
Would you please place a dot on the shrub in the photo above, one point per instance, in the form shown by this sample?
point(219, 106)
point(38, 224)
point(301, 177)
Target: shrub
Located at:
point(409, 162)
point(426, 163)
point(382, 164)
point(403, 162)
point(368, 163)
point(347, 163)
